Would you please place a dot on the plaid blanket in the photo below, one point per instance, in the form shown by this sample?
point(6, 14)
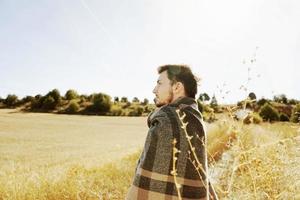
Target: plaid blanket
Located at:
point(153, 178)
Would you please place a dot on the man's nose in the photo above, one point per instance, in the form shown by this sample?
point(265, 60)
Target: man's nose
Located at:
point(154, 90)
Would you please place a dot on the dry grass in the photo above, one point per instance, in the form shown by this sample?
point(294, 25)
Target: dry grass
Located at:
point(109, 181)
point(262, 161)
point(46, 156)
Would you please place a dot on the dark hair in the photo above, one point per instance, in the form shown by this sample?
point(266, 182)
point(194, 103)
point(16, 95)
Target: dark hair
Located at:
point(183, 74)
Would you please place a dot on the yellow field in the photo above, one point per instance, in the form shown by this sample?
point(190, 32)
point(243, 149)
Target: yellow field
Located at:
point(48, 156)
point(39, 149)
point(256, 162)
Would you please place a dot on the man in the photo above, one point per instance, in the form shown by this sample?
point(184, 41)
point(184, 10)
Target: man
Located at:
point(159, 167)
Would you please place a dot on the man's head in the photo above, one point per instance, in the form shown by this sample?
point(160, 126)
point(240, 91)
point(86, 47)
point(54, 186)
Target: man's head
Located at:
point(174, 81)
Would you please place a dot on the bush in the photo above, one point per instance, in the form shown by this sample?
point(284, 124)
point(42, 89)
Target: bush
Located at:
point(203, 97)
point(145, 102)
point(116, 99)
point(124, 99)
point(73, 107)
point(283, 117)
point(293, 101)
point(148, 109)
point(214, 104)
point(48, 103)
point(247, 120)
point(137, 111)
point(83, 98)
point(256, 118)
point(71, 94)
point(27, 99)
point(246, 104)
point(280, 99)
point(55, 95)
point(209, 117)
point(269, 113)
point(135, 100)
point(296, 114)
point(127, 105)
point(101, 103)
point(252, 118)
point(262, 101)
point(37, 102)
point(11, 100)
point(252, 96)
point(116, 111)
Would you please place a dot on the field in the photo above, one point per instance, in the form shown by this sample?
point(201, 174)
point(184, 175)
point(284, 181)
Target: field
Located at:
point(38, 150)
point(48, 156)
point(255, 161)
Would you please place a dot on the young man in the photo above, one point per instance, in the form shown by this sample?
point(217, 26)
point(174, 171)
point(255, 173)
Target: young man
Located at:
point(154, 175)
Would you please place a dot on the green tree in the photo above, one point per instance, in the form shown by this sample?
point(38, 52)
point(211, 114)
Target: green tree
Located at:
point(280, 98)
point(204, 97)
point(91, 97)
point(135, 100)
point(252, 96)
point(116, 111)
point(293, 101)
point(55, 95)
point(145, 102)
point(269, 113)
point(214, 103)
point(27, 99)
point(116, 99)
point(71, 94)
point(262, 101)
point(49, 103)
point(296, 114)
point(283, 117)
point(83, 98)
point(101, 103)
point(124, 99)
point(137, 111)
point(127, 105)
point(37, 102)
point(11, 100)
point(73, 107)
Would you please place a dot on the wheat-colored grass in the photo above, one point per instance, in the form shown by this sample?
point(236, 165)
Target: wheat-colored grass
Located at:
point(260, 162)
point(46, 156)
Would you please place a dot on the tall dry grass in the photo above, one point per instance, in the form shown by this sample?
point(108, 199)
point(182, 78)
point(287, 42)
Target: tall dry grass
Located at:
point(257, 162)
point(246, 162)
point(109, 181)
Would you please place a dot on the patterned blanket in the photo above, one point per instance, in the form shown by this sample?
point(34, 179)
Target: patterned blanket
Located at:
point(155, 176)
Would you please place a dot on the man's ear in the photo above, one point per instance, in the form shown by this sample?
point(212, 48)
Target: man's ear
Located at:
point(178, 87)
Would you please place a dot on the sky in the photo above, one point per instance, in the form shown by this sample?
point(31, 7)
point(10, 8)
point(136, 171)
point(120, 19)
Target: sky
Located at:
point(116, 46)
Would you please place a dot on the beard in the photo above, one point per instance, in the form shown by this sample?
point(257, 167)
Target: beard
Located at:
point(160, 103)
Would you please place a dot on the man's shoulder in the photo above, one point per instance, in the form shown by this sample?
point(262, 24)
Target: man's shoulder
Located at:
point(163, 111)
point(161, 114)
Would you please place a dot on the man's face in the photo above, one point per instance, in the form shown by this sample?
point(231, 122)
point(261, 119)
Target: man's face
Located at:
point(163, 90)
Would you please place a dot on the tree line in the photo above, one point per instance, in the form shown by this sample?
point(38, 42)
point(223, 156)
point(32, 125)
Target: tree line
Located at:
point(280, 108)
point(73, 103)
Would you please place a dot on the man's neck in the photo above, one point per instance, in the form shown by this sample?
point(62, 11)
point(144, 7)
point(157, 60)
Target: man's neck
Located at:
point(175, 98)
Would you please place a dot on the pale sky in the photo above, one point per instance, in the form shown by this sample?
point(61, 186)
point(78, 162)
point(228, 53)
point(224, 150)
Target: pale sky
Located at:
point(116, 46)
